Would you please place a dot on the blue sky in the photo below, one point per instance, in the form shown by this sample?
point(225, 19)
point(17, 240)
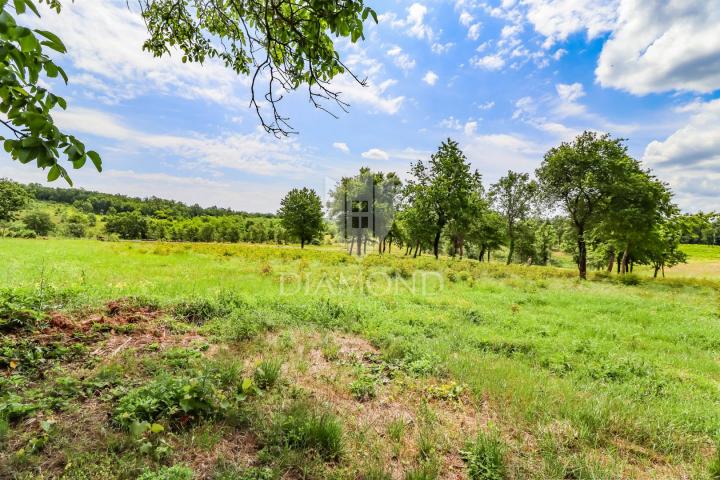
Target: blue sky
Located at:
point(507, 79)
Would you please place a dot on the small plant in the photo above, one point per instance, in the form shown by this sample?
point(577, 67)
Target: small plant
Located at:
point(714, 468)
point(363, 388)
point(445, 391)
point(232, 472)
point(485, 457)
point(426, 471)
point(302, 426)
point(267, 373)
point(176, 472)
point(182, 400)
point(396, 430)
point(330, 350)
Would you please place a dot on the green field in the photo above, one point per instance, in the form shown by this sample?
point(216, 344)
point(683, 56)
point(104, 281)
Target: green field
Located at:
point(397, 367)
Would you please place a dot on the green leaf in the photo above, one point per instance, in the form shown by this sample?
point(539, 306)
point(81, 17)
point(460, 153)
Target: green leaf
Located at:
point(156, 428)
point(95, 158)
point(53, 41)
point(54, 173)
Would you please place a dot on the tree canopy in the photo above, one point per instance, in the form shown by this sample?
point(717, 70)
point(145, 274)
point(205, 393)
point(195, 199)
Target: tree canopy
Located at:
point(301, 214)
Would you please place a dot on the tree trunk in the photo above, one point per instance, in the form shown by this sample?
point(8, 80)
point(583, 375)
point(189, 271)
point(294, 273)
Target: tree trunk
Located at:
point(436, 243)
point(481, 257)
point(511, 249)
point(657, 269)
point(663, 269)
point(624, 262)
point(582, 255)
point(352, 245)
point(302, 243)
point(611, 263)
point(417, 247)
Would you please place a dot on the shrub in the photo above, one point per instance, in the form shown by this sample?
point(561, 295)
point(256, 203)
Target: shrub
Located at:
point(200, 310)
point(485, 457)
point(176, 472)
point(301, 426)
point(267, 373)
point(177, 399)
point(629, 279)
point(19, 310)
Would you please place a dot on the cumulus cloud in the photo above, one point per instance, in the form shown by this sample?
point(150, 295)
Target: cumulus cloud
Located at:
point(488, 62)
point(441, 48)
point(662, 46)
point(413, 24)
point(375, 154)
point(342, 146)
point(401, 59)
point(697, 144)
point(430, 78)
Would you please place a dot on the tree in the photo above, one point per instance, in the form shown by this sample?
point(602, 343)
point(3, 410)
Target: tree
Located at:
point(26, 105)
point(576, 176)
point(127, 225)
point(75, 225)
point(289, 43)
point(444, 187)
point(13, 198)
point(513, 195)
point(39, 222)
point(487, 232)
point(301, 214)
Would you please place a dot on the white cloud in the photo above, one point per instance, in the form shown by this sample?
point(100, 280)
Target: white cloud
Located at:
point(470, 128)
point(430, 78)
point(375, 94)
point(451, 122)
point(695, 144)
point(375, 154)
point(255, 153)
point(570, 92)
point(488, 62)
point(558, 19)
point(663, 46)
point(465, 18)
point(441, 48)
point(342, 146)
point(474, 31)
point(559, 53)
point(401, 59)
point(414, 23)
point(486, 105)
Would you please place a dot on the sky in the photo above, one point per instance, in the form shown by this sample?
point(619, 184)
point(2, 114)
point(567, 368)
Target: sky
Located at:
point(506, 79)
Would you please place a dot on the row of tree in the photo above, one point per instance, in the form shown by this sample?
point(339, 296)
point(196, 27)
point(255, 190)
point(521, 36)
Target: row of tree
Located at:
point(588, 197)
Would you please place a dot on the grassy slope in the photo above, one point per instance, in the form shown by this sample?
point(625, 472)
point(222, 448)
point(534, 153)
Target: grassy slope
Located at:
point(592, 379)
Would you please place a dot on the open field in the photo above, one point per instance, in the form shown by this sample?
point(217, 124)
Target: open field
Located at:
point(389, 367)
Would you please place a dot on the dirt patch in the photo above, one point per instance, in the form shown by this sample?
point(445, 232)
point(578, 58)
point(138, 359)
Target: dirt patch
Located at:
point(116, 314)
point(450, 423)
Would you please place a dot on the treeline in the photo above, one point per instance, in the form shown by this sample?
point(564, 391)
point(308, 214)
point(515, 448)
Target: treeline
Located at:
point(588, 198)
point(107, 204)
point(80, 214)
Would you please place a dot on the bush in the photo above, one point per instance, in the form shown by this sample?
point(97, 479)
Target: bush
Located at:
point(20, 310)
point(629, 279)
point(176, 472)
point(180, 400)
point(200, 310)
point(301, 426)
point(485, 458)
point(267, 373)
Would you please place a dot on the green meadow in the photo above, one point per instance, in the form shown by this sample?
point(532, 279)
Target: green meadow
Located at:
point(173, 360)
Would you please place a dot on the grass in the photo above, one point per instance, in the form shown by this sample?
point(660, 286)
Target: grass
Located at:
point(594, 379)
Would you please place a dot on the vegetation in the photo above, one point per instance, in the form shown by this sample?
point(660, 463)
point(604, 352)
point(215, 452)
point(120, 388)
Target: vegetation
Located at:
point(153, 370)
point(301, 214)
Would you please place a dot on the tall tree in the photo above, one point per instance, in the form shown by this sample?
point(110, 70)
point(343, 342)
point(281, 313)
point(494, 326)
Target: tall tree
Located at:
point(513, 196)
point(301, 214)
point(13, 198)
point(39, 222)
point(444, 187)
point(577, 176)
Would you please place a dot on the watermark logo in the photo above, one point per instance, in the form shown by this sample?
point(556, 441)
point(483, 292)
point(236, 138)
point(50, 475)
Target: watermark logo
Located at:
point(371, 284)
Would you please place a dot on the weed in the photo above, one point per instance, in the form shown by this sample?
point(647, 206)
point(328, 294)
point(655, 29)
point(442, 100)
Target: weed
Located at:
point(302, 426)
point(176, 472)
point(425, 471)
point(485, 457)
point(629, 279)
point(714, 467)
point(232, 472)
point(178, 399)
point(330, 349)
point(267, 373)
point(445, 391)
point(396, 430)
point(363, 388)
